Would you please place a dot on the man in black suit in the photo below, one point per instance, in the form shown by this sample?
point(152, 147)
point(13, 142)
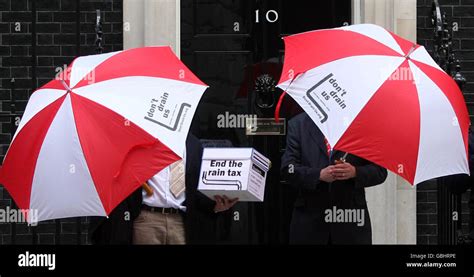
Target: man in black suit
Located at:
point(199, 218)
point(460, 183)
point(330, 207)
point(117, 228)
point(471, 214)
point(201, 214)
point(469, 184)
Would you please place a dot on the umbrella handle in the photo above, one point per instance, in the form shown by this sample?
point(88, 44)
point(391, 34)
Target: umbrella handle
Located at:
point(342, 159)
point(148, 189)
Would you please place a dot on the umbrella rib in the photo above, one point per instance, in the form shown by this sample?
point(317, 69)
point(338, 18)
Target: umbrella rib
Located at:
point(411, 51)
point(68, 89)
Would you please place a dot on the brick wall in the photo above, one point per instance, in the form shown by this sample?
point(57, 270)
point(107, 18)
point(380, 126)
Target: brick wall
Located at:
point(55, 46)
point(427, 213)
point(461, 12)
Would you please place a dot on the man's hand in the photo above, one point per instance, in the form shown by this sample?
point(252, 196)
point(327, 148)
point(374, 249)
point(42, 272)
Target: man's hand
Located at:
point(223, 203)
point(344, 171)
point(327, 174)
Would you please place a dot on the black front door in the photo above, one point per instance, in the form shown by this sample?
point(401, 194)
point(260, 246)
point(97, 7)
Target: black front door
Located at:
point(236, 48)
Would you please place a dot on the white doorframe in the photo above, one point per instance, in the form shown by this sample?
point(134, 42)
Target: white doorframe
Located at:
point(151, 23)
point(357, 11)
point(392, 205)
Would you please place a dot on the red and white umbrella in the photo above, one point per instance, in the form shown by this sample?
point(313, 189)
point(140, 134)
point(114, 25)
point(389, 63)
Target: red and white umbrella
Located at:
point(93, 135)
point(381, 97)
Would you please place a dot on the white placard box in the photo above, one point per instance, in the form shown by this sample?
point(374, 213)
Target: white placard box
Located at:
point(234, 172)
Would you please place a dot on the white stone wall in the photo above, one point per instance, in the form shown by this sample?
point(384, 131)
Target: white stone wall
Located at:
point(152, 22)
point(392, 205)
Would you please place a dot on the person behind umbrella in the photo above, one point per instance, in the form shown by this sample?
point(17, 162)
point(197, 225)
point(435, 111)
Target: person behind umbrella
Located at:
point(471, 186)
point(460, 183)
point(330, 207)
point(173, 211)
point(117, 228)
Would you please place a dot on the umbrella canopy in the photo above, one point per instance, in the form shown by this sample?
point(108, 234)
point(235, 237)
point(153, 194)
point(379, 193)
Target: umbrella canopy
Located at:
point(98, 131)
point(381, 97)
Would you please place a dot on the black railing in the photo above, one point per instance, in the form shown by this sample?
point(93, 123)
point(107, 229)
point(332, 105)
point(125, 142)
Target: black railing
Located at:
point(449, 204)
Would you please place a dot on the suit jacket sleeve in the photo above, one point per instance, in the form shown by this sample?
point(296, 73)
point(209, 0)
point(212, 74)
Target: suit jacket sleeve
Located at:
point(134, 202)
point(299, 176)
point(369, 175)
point(200, 201)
